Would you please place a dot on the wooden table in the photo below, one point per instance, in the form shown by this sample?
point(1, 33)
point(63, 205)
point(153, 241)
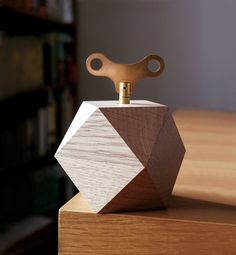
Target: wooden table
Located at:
point(208, 171)
point(201, 218)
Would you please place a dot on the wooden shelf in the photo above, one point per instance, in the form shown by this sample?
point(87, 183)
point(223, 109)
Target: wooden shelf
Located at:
point(16, 21)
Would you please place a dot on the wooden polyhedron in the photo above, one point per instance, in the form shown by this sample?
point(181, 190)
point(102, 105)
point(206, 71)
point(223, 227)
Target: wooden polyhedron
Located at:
point(122, 157)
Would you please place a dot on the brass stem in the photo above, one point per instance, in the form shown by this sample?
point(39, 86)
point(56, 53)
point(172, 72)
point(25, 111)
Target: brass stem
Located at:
point(124, 92)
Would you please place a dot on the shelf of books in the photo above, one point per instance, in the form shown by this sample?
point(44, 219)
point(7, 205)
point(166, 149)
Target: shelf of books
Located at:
point(38, 100)
point(36, 16)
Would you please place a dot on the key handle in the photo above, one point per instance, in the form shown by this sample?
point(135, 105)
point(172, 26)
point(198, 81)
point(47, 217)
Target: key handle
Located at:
point(130, 73)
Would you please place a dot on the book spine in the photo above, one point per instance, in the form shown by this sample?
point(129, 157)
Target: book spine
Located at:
point(52, 9)
point(43, 131)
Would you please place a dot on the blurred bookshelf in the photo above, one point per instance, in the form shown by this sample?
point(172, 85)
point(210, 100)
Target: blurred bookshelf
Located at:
point(38, 100)
point(29, 20)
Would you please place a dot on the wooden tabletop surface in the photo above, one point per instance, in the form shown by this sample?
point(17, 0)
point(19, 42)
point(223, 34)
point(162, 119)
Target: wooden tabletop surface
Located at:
point(201, 217)
point(205, 190)
point(208, 171)
point(180, 209)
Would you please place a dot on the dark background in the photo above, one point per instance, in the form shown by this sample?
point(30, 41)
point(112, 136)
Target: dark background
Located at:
point(38, 99)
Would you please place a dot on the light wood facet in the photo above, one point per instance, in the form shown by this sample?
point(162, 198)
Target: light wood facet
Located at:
point(98, 161)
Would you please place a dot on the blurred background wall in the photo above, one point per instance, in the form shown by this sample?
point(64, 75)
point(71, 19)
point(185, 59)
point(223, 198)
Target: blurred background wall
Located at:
point(197, 39)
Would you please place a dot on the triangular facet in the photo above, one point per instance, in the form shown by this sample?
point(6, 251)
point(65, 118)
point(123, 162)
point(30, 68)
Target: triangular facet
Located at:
point(166, 157)
point(140, 193)
point(138, 126)
point(84, 112)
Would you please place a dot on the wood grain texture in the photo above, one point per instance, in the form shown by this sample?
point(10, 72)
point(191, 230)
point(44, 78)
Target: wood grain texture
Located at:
point(208, 171)
point(98, 161)
point(138, 127)
point(166, 158)
point(114, 145)
point(153, 137)
point(186, 227)
point(141, 193)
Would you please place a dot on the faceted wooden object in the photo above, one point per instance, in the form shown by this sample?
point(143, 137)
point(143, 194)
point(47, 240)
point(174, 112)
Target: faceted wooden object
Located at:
point(122, 157)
